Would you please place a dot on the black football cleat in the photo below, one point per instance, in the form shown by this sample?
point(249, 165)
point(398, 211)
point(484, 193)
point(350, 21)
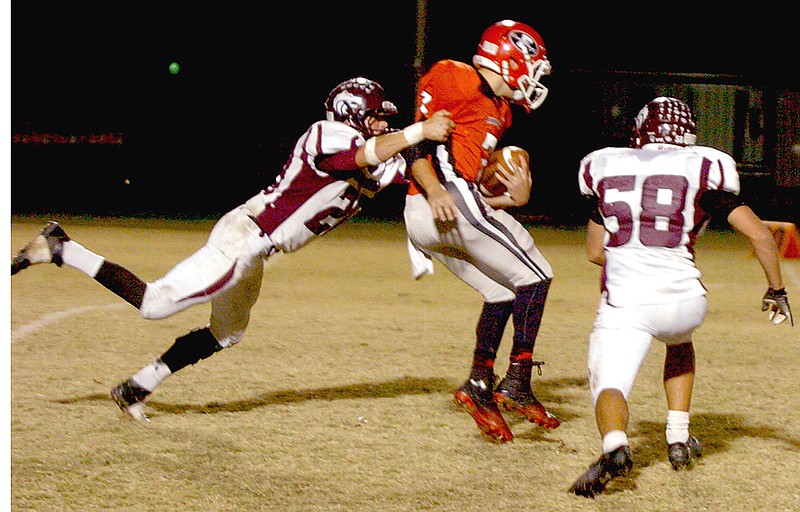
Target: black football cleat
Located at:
point(682, 455)
point(609, 466)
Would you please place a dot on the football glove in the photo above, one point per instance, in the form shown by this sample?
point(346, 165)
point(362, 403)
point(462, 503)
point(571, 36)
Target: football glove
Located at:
point(777, 302)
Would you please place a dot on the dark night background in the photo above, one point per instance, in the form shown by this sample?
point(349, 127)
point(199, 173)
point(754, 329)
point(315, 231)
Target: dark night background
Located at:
point(252, 79)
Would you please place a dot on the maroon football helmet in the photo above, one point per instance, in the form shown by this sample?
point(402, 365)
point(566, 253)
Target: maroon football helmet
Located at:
point(352, 101)
point(516, 52)
point(664, 120)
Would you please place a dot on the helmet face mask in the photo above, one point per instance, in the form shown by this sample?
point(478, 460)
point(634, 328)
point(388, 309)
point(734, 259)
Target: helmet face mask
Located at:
point(356, 100)
point(664, 120)
point(516, 52)
point(530, 93)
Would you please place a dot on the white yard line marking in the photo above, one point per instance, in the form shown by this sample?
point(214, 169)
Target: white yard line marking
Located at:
point(49, 318)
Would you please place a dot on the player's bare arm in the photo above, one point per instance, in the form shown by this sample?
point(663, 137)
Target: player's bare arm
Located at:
point(775, 300)
point(745, 221)
point(441, 202)
point(595, 234)
point(382, 147)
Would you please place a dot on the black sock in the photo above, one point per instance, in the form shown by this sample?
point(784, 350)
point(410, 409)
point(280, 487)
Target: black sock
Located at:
point(528, 309)
point(491, 326)
point(489, 334)
point(121, 281)
point(190, 348)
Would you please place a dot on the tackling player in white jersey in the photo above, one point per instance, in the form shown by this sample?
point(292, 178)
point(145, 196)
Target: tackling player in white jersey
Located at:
point(653, 200)
point(335, 163)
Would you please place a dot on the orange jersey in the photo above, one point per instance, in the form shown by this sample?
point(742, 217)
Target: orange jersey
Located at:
point(481, 117)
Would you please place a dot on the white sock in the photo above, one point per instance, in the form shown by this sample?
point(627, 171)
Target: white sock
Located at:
point(152, 375)
point(77, 256)
point(677, 427)
point(614, 439)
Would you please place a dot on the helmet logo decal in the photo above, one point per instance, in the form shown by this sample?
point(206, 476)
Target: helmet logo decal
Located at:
point(640, 117)
point(524, 42)
point(346, 103)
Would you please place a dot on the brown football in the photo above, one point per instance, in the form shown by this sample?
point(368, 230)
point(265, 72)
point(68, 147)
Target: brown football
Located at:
point(488, 184)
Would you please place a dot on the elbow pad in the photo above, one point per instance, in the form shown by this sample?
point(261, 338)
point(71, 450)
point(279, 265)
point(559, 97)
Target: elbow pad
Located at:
point(719, 203)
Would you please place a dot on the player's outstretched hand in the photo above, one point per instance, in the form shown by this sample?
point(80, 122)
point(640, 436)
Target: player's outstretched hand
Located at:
point(777, 302)
point(438, 126)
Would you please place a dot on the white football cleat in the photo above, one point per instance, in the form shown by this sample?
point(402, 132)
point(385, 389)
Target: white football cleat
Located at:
point(129, 396)
point(45, 248)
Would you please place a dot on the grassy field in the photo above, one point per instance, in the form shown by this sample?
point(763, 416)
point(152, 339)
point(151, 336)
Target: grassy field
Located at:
point(340, 396)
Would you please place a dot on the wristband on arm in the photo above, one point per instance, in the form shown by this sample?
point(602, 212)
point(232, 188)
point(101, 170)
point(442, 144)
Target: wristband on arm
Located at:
point(413, 134)
point(369, 152)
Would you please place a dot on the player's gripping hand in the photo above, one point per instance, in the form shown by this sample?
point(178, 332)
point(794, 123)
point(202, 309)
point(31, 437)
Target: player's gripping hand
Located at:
point(518, 184)
point(777, 302)
point(438, 126)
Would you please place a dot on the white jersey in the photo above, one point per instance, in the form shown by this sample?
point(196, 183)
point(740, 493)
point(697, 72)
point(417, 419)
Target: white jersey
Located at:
point(305, 201)
point(649, 202)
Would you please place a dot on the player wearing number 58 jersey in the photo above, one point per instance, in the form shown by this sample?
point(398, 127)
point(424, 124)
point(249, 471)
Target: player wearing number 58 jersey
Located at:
point(653, 200)
point(335, 164)
point(650, 201)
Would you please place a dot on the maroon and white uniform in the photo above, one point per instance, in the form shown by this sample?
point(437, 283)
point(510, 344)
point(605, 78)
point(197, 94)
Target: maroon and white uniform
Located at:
point(305, 202)
point(649, 201)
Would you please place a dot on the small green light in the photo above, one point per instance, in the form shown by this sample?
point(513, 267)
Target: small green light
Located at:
point(174, 68)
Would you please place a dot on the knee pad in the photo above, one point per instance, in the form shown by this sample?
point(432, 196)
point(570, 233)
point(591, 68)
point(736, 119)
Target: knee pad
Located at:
point(190, 348)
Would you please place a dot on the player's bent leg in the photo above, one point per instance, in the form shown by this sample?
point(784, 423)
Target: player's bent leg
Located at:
point(188, 349)
point(191, 348)
point(514, 391)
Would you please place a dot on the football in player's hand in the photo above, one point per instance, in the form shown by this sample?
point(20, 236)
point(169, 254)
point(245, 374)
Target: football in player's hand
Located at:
point(502, 158)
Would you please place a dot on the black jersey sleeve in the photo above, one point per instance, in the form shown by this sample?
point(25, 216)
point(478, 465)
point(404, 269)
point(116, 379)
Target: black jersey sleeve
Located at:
point(719, 203)
point(594, 210)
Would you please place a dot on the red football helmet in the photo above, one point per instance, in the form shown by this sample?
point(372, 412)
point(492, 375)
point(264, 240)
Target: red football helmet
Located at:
point(352, 101)
point(516, 52)
point(664, 120)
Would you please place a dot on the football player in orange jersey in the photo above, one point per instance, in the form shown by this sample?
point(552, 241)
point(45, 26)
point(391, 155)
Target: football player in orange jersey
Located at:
point(448, 219)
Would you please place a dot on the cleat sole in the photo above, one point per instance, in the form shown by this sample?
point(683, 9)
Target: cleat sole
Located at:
point(492, 429)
